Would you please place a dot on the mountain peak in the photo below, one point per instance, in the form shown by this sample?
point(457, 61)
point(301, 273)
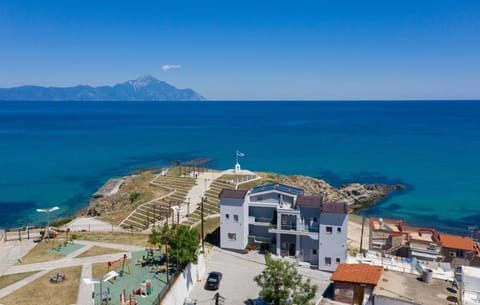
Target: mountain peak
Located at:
point(144, 88)
point(143, 81)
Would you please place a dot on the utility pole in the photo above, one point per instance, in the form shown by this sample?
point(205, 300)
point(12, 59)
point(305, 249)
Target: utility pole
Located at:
point(166, 255)
point(201, 216)
point(361, 236)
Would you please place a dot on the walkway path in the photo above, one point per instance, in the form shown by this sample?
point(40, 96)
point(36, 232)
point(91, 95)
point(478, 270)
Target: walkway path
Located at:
point(203, 183)
point(85, 290)
point(204, 180)
point(19, 249)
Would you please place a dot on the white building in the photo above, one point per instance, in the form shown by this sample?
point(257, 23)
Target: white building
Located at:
point(290, 223)
point(469, 280)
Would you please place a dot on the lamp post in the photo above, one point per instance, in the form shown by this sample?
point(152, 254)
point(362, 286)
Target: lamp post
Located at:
point(48, 211)
point(176, 208)
point(188, 207)
point(204, 198)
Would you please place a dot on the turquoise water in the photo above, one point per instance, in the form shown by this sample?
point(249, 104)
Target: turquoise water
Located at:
point(59, 153)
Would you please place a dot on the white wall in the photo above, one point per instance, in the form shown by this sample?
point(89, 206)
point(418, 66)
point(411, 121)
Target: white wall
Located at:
point(185, 282)
point(232, 207)
point(333, 245)
point(382, 300)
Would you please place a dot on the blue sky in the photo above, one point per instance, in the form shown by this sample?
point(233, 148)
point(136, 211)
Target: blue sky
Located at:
point(333, 49)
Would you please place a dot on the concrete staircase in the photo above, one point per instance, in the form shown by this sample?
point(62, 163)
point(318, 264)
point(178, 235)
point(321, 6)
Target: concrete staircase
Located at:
point(160, 208)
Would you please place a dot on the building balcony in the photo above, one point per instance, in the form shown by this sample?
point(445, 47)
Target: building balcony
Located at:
point(304, 230)
point(262, 239)
point(260, 221)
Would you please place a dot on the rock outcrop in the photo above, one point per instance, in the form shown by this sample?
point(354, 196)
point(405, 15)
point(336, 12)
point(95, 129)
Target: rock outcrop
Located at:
point(356, 195)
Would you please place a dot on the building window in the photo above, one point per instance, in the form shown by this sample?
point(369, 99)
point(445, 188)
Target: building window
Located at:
point(460, 253)
point(227, 216)
point(314, 219)
point(452, 254)
point(337, 260)
point(314, 251)
point(232, 236)
point(339, 229)
point(329, 230)
point(235, 217)
point(328, 261)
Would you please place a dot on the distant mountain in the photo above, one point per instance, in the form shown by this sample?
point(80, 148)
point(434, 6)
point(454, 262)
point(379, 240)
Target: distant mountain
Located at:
point(146, 88)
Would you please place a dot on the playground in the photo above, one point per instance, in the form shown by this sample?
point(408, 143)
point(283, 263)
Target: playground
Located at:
point(139, 281)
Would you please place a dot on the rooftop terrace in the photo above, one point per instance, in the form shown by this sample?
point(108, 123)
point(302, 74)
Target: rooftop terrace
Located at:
point(278, 187)
point(409, 288)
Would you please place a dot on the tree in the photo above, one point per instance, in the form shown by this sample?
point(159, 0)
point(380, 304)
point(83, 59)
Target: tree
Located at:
point(282, 284)
point(182, 242)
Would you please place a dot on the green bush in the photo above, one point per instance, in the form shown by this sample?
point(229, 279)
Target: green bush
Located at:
point(134, 196)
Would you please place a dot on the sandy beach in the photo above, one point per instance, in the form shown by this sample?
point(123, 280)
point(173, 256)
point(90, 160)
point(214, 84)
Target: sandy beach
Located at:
point(355, 232)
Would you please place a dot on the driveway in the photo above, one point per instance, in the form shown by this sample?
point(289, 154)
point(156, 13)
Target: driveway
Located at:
point(237, 285)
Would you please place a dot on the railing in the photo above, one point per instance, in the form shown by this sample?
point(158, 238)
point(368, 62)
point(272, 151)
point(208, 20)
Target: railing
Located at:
point(263, 239)
point(263, 219)
point(298, 228)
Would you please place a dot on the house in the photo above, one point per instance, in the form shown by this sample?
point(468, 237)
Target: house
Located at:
point(386, 235)
point(424, 243)
point(354, 283)
point(408, 289)
point(391, 236)
point(458, 250)
point(469, 283)
point(290, 223)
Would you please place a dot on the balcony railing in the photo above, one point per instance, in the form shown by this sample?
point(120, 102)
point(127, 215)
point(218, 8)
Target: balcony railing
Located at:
point(260, 220)
point(263, 219)
point(298, 228)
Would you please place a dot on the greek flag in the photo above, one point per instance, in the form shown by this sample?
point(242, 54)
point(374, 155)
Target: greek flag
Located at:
point(240, 154)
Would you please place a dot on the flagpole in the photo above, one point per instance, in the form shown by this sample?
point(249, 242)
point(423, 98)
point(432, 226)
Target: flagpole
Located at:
point(236, 154)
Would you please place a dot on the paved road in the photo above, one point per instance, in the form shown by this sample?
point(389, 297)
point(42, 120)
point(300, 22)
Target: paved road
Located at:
point(238, 270)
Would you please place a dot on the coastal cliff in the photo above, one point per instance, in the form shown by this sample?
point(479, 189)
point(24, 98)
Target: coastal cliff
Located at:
point(136, 189)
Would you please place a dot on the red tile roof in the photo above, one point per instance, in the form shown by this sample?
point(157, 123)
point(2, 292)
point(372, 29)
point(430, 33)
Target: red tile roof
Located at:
point(457, 242)
point(357, 273)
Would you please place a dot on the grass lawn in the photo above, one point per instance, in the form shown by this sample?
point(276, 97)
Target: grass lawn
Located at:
point(96, 250)
point(40, 253)
point(136, 239)
point(116, 217)
point(7, 280)
point(42, 292)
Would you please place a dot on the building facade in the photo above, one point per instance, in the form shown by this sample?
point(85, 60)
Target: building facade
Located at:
point(288, 222)
point(391, 236)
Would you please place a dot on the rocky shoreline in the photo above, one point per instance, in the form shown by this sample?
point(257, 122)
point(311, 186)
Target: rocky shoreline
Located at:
point(356, 195)
point(125, 197)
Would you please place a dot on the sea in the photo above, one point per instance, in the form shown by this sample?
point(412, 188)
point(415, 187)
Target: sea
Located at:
point(60, 153)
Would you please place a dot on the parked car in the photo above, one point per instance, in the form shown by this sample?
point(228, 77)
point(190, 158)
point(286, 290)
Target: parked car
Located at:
point(213, 280)
point(260, 301)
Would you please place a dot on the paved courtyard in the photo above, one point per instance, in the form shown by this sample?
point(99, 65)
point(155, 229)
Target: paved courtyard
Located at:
point(237, 285)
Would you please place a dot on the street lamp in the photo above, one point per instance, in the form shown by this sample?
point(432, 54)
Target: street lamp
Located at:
point(48, 211)
point(176, 208)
